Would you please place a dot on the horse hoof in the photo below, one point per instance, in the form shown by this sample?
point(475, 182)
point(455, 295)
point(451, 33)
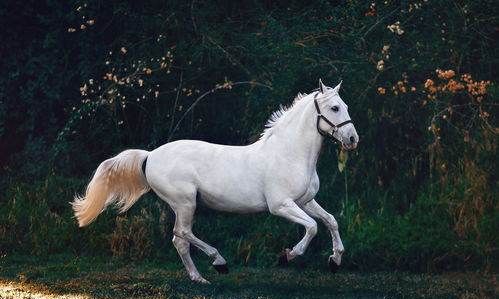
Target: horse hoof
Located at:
point(283, 259)
point(333, 267)
point(222, 269)
point(199, 279)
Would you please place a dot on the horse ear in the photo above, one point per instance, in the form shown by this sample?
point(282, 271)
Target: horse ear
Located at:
point(322, 87)
point(337, 88)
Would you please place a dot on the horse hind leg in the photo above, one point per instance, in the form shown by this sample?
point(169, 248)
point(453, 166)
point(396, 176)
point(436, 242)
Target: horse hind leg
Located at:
point(183, 249)
point(219, 263)
point(183, 205)
point(182, 199)
point(183, 229)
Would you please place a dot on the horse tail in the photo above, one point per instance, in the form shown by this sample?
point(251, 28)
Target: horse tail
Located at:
point(119, 181)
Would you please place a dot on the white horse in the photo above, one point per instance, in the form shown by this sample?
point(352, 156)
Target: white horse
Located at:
point(277, 173)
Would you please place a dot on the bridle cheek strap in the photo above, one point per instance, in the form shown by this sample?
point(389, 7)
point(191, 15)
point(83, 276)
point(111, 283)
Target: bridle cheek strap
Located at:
point(333, 126)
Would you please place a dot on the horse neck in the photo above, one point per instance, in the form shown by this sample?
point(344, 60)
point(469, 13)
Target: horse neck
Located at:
point(299, 135)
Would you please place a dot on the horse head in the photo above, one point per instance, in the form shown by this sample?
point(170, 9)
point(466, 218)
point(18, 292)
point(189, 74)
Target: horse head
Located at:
point(333, 119)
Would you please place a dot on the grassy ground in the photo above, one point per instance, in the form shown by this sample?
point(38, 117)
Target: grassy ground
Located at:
point(92, 277)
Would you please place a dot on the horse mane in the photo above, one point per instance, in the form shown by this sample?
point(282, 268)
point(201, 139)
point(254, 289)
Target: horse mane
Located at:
point(277, 116)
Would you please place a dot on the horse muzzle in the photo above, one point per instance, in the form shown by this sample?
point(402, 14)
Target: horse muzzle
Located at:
point(349, 146)
point(350, 143)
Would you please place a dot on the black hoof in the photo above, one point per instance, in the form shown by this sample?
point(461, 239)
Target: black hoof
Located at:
point(222, 269)
point(333, 267)
point(283, 259)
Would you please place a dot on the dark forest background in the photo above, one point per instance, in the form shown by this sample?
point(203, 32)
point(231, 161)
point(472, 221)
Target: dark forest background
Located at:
point(81, 81)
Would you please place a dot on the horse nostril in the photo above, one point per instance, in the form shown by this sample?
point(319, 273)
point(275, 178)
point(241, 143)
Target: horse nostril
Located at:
point(352, 139)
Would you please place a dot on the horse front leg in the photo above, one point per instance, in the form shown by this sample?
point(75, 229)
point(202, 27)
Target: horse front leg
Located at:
point(313, 209)
point(291, 211)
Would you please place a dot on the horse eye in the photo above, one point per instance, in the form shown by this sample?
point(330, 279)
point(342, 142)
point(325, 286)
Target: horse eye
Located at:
point(335, 108)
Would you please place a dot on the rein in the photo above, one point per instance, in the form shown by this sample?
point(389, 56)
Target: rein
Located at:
point(320, 116)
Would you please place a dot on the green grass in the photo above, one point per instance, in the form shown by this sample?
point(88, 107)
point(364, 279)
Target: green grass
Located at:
point(66, 276)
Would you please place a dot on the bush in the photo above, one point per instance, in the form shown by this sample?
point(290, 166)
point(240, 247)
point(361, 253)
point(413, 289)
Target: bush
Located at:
point(423, 239)
point(37, 218)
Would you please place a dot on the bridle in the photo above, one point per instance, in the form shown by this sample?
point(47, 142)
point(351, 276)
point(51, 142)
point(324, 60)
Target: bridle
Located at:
point(320, 116)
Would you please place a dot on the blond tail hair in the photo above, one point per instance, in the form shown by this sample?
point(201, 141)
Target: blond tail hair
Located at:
point(117, 181)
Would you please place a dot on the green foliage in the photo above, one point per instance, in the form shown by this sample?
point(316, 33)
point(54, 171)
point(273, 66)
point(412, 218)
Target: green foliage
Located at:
point(37, 219)
point(422, 240)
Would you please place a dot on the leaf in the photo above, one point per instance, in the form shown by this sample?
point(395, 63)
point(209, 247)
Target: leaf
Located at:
point(342, 160)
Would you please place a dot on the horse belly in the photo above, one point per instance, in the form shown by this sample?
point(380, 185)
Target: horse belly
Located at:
point(233, 200)
point(232, 192)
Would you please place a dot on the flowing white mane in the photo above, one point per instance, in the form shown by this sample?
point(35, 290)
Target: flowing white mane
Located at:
point(278, 115)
